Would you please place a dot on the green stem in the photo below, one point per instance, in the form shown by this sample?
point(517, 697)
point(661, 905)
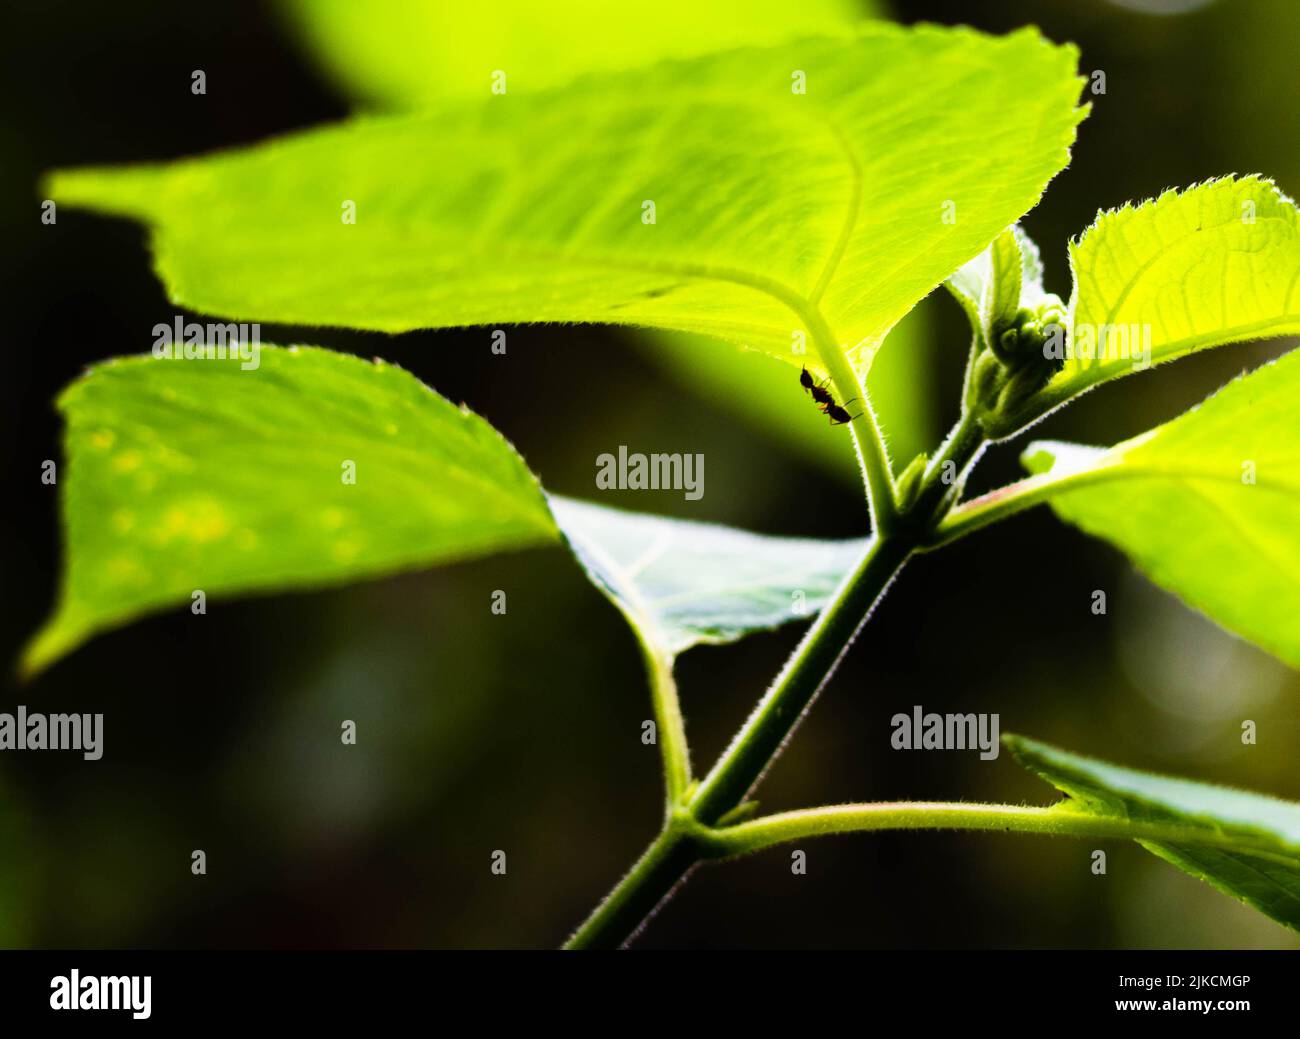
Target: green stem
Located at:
point(649, 883)
point(674, 853)
point(868, 439)
point(691, 834)
point(767, 729)
point(945, 476)
point(1057, 820)
point(670, 726)
point(668, 861)
point(1016, 497)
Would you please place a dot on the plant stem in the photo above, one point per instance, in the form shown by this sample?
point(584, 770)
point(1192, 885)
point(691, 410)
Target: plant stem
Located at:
point(1015, 497)
point(691, 832)
point(672, 855)
point(868, 439)
point(1057, 820)
point(669, 860)
point(671, 728)
point(651, 881)
point(767, 729)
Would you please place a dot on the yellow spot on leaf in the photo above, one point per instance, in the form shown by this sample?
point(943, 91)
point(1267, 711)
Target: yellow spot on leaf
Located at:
point(345, 551)
point(127, 462)
point(332, 518)
point(126, 570)
point(200, 520)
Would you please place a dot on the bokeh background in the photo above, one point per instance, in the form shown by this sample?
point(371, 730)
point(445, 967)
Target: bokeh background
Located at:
point(521, 732)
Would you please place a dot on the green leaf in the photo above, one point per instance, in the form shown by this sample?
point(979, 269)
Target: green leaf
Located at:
point(681, 583)
point(993, 286)
point(405, 54)
point(196, 475)
point(1001, 296)
point(1216, 263)
point(1263, 870)
point(776, 214)
point(1207, 505)
point(412, 53)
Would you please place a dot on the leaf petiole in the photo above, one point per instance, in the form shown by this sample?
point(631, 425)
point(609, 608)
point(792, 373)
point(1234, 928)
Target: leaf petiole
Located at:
point(1060, 820)
point(1078, 470)
point(691, 834)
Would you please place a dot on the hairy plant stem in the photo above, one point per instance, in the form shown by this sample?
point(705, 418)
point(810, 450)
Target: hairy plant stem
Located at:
point(651, 881)
point(1060, 820)
point(769, 726)
point(696, 822)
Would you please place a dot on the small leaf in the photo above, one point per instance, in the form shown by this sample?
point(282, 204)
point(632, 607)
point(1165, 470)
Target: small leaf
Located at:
point(1216, 263)
point(993, 275)
point(1207, 505)
point(195, 475)
point(1263, 870)
point(1001, 296)
point(681, 583)
point(701, 195)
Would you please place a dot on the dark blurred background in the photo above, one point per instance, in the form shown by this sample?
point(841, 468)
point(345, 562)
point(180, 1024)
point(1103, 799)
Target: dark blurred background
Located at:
point(521, 732)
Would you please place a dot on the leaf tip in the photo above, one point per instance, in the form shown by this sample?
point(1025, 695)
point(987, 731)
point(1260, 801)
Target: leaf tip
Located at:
point(54, 640)
point(115, 190)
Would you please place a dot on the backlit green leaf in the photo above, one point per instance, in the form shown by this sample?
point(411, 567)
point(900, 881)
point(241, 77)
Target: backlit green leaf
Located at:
point(775, 214)
point(1216, 263)
point(1207, 505)
point(1263, 871)
point(407, 54)
point(196, 475)
point(317, 468)
point(999, 281)
point(682, 583)
point(1001, 295)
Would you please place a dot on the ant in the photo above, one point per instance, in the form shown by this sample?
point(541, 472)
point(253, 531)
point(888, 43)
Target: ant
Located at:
point(820, 394)
point(822, 397)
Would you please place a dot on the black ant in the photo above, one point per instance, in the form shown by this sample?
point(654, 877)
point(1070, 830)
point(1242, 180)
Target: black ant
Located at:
point(823, 399)
point(820, 394)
